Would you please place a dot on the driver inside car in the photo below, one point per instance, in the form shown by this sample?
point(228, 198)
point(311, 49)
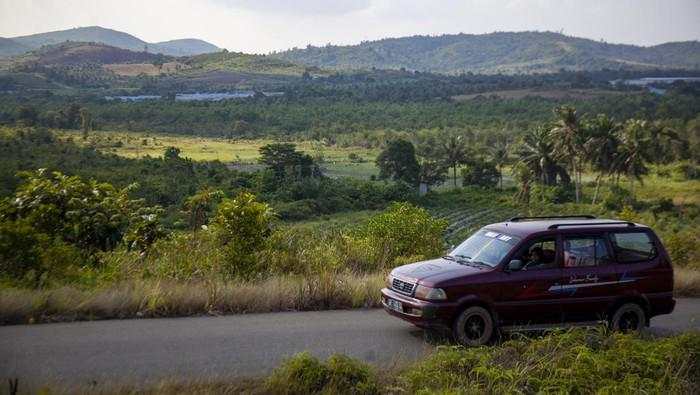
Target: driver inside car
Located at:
point(536, 258)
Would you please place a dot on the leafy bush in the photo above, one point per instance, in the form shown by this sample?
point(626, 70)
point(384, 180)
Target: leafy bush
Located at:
point(578, 361)
point(401, 230)
point(243, 225)
point(617, 198)
point(685, 171)
point(305, 374)
point(556, 194)
point(480, 173)
point(90, 215)
point(684, 248)
point(30, 258)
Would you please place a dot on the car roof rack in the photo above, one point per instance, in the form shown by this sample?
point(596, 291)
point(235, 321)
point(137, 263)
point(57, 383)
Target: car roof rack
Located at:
point(627, 223)
point(581, 216)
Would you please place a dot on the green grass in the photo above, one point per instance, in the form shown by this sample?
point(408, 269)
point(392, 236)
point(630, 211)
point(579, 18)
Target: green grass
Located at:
point(241, 153)
point(570, 362)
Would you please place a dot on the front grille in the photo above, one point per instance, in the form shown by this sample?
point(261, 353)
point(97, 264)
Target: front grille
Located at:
point(402, 286)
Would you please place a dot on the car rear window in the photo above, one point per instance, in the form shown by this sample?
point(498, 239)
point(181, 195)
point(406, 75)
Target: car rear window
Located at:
point(633, 246)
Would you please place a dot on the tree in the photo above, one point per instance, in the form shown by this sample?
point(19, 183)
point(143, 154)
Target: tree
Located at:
point(454, 151)
point(85, 122)
point(601, 147)
point(199, 206)
point(243, 225)
point(398, 162)
point(480, 173)
point(499, 156)
point(433, 171)
point(28, 115)
point(171, 153)
point(535, 153)
point(635, 151)
point(285, 161)
point(569, 143)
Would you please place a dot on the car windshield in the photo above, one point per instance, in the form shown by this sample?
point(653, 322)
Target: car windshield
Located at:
point(485, 246)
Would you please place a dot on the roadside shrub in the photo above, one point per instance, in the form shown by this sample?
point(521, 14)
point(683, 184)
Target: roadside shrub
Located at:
point(577, 361)
point(90, 215)
point(32, 259)
point(684, 248)
point(401, 230)
point(301, 251)
point(300, 374)
point(243, 225)
point(20, 249)
point(305, 374)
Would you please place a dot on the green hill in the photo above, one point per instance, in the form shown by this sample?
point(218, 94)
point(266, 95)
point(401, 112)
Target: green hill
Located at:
point(522, 52)
point(96, 34)
point(10, 47)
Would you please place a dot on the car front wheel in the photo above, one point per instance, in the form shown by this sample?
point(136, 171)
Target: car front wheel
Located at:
point(629, 317)
point(473, 327)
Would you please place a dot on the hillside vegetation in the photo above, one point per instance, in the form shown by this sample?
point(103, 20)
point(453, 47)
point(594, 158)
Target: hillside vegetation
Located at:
point(502, 52)
point(97, 34)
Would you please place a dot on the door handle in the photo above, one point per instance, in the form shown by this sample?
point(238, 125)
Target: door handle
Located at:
point(575, 280)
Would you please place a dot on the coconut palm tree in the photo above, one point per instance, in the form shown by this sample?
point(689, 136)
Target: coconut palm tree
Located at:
point(535, 153)
point(601, 147)
point(634, 151)
point(454, 151)
point(499, 155)
point(569, 143)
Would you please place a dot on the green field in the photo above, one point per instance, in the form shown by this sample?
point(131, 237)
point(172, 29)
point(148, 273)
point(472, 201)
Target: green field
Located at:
point(238, 154)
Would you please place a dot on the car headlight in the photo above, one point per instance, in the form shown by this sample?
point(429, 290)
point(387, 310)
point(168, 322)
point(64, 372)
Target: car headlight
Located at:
point(427, 293)
point(388, 280)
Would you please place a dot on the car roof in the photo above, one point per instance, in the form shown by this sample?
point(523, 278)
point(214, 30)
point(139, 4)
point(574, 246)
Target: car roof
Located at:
point(523, 227)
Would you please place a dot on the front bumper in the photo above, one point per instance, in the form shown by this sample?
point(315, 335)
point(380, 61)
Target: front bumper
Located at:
point(420, 312)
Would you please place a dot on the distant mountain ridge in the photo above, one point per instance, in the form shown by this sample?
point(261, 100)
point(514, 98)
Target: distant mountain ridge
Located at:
point(182, 47)
point(501, 52)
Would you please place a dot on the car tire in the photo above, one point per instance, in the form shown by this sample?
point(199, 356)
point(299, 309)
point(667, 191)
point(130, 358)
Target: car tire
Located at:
point(630, 317)
point(474, 327)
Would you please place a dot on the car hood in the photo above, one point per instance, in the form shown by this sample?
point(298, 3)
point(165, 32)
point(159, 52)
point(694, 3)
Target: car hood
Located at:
point(435, 270)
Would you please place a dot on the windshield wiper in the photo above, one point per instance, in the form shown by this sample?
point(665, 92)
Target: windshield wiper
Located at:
point(448, 257)
point(480, 263)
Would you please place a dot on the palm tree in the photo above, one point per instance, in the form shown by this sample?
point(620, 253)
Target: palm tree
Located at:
point(454, 151)
point(499, 156)
point(535, 153)
point(569, 143)
point(601, 147)
point(634, 151)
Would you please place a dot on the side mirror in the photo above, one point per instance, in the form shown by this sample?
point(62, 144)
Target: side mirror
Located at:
point(514, 265)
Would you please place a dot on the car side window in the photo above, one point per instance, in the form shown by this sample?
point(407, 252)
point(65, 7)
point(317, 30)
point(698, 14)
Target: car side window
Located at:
point(632, 246)
point(585, 251)
point(539, 254)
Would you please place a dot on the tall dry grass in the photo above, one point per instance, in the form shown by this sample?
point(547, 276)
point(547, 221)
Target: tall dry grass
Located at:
point(167, 298)
point(686, 282)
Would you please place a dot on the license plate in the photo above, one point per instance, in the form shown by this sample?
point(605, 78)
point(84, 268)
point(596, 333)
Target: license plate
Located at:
point(394, 305)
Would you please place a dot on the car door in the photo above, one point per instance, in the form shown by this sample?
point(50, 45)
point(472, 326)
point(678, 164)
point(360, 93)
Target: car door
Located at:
point(531, 296)
point(589, 276)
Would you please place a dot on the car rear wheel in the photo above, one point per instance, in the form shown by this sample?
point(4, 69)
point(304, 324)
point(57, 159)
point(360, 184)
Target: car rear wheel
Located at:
point(629, 317)
point(473, 327)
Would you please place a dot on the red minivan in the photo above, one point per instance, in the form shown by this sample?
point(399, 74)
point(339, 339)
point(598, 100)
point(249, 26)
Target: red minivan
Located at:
point(535, 273)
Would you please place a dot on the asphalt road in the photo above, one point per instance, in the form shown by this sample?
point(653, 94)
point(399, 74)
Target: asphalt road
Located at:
point(143, 350)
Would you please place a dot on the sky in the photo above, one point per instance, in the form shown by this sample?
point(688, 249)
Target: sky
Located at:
point(262, 26)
